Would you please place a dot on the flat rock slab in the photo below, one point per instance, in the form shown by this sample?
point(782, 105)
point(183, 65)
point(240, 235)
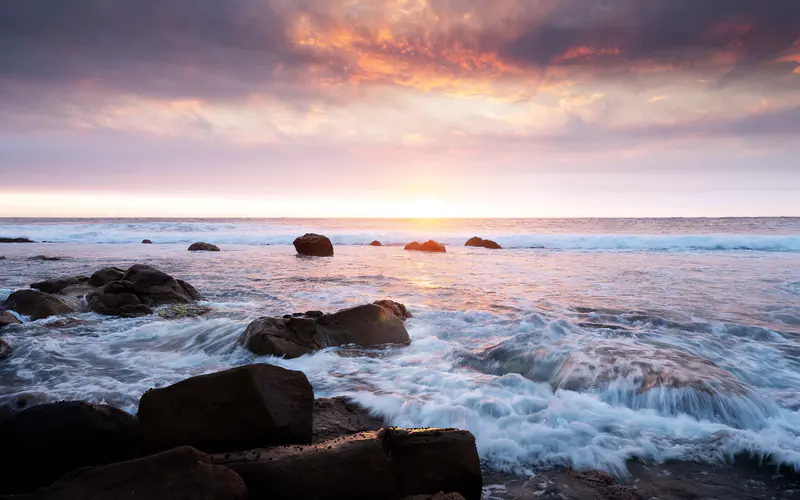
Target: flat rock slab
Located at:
point(336, 417)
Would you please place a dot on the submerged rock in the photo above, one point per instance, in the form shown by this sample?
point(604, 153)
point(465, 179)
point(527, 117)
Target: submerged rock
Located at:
point(428, 246)
point(336, 417)
point(202, 246)
point(480, 242)
point(6, 318)
point(314, 245)
point(368, 325)
point(180, 311)
point(178, 474)
point(245, 407)
point(43, 442)
point(37, 305)
point(147, 242)
point(15, 240)
point(376, 243)
point(44, 257)
point(5, 350)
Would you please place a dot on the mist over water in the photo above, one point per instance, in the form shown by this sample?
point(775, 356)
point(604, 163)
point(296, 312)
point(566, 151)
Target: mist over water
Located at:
point(655, 339)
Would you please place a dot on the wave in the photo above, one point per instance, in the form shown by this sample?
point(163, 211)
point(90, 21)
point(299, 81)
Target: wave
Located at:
point(270, 234)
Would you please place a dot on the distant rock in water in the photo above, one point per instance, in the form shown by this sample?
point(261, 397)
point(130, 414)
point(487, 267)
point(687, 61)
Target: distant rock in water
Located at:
point(368, 325)
point(2, 257)
point(202, 246)
point(376, 243)
point(314, 245)
point(428, 246)
point(480, 242)
point(147, 242)
point(5, 350)
point(15, 240)
point(43, 257)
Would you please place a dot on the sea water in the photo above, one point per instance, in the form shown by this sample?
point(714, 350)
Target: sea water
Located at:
point(584, 342)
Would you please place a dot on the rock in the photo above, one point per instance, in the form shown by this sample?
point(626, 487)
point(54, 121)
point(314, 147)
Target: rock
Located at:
point(6, 318)
point(355, 468)
point(147, 242)
point(178, 474)
point(439, 496)
point(428, 460)
point(480, 242)
point(179, 311)
point(53, 439)
point(5, 350)
point(202, 246)
point(241, 408)
point(376, 243)
point(336, 417)
point(103, 276)
point(368, 325)
point(56, 285)
point(428, 246)
point(2, 257)
point(397, 308)
point(288, 337)
point(15, 240)
point(314, 245)
point(157, 288)
point(125, 305)
point(36, 304)
point(43, 257)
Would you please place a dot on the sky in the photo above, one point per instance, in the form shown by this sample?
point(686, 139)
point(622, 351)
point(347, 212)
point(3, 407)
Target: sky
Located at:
point(399, 108)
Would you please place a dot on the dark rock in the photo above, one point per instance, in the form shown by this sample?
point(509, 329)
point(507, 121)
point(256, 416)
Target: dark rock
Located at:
point(36, 304)
point(376, 243)
point(439, 496)
point(336, 417)
point(179, 311)
point(178, 474)
point(397, 308)
point(190, 290)
point(355, 468)
point(202, 246)
point(427, 460)
point(244, 407)
point(125, 305)
point(428, 246)
point(147, 242)
point(15, 240)
point(103, 276)
point(480, 242)
point(2, 257)
point(289, 337)
point(155, 287)
point(368, 325)
point(5, 350)
point(6, 318)
point(314, 314)
point(10, 403)
point(314, 245)
point(53, 439)
point(43, 257)
point(56, 285)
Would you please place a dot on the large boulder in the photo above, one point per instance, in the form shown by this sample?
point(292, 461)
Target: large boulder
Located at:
point(397, 308)
point(289, 337)
point(480, 242)
point(376, 243)
point(5, 350)
point(40, 444)
point(428, 246)
point(339, 416)
point(105, 275)
point(155, 287)
point(202, 246)
point(178, 474)
point(368, 325)
point(57, 285)
point(6, 318)
point(241, 408)
point(37, 305)
point(314, 245)
point(120, 303)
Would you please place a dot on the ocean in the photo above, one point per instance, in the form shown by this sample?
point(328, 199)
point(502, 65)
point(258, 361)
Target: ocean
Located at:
point(583, 343)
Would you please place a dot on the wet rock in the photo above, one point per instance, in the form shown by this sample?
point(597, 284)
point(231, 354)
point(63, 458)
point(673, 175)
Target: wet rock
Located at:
point(53, 439)
point(15, 240)
point(438, 496)
point(368, 325)
point(480, 242)
point(244, 407)
point(155, 287)
point(44, 257)
point(2, 257)
point(314, 245)
point(147, 242)
point(288, 337)
point(376, 243)
point(10, 403)
point(429, 460)
point(6, 318)
point(178, 474)
point(5, 350)
point(56, 285)
point(180, 311)
point(37, 305)
point(103, 276)
point(202, 246)
point(356, 468)
point(336, 417)
point(397, 308)
point(124, 305)
point(428, 246)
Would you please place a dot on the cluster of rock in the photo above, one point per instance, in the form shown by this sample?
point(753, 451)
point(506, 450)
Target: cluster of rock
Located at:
point(249, 432)
point(292, 336)
point(428, 246)
point(480, 242)
point(15, 240)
